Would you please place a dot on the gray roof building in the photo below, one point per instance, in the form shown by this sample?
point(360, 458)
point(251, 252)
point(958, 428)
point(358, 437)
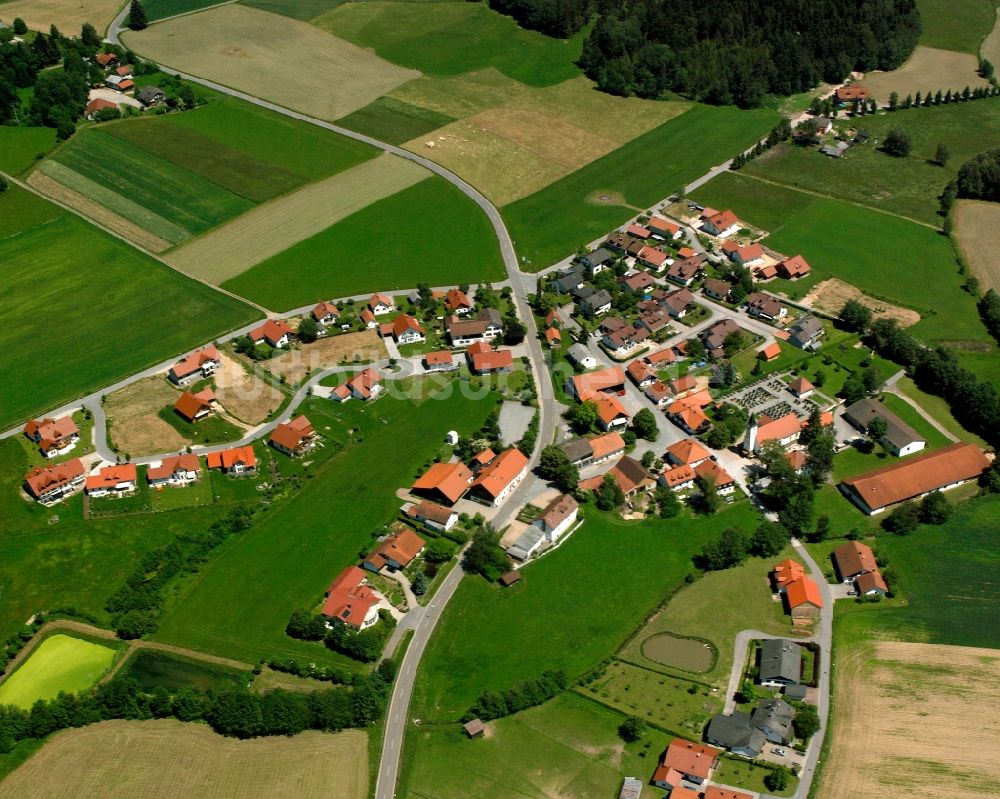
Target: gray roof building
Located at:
point(797, 692)
point(569, 280)
point(580, 355)
point(780, 662)
point(805, 333)
point(899, 436)
point(577, 450)
point(596, 300)
point(597, 258)
point(736, 733)
point(773, 717)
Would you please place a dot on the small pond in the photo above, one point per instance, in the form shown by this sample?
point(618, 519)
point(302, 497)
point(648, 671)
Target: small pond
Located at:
point(688, 654)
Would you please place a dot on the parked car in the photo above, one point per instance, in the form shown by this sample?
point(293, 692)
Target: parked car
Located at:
point(779, 751)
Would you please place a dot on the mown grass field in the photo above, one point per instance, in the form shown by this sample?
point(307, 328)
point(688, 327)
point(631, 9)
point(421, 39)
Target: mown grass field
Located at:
point(297, 9)
point(20, 146)
point(553, 222)
point(956, 24)
point(239, 603)
point(395, 121)
point(977, 228)
point(59, 663)
point(67, 15)
point(161, 9)
point(444, 240)
point(876, 257)
point(927, 69)
point(69, 294)
point(908, 186)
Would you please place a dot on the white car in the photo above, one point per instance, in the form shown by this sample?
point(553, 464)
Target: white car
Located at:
point(778, 751)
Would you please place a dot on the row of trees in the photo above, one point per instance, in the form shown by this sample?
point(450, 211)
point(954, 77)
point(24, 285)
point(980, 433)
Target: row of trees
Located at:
point(989, 310)
point(779, 133)
point(941, 97)
point(979, 177)
point(494, 705)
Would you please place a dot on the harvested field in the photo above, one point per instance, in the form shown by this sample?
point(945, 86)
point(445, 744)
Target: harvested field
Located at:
point(168, 759)
point(928, 69)
point(277, 58)
point(67, 15)
point(274, 227)
point(107, 219)
point(244, 395)
point(133, 425)
point(831, 294)
point(903, 720)
point(327, 352)
point(977, 229)
point(990, 49)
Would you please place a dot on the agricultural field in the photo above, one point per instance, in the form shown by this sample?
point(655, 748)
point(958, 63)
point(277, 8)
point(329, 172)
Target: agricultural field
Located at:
point(977, 232)
point(159, 312)
point(990, 49)
point(800, 223)
point(906, 186)
point(297, 9)
point(59, 663)
point(928, 69)
point(956, 24)
point(170, 759)
point(256, 52)
point(161, 9)
point(67, 15)
point(20, 146)
point(446, 241)
point(394, 121)
point(239, 604)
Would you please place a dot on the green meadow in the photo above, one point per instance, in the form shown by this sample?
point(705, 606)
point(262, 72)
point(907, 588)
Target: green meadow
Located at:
point(956, 24)
point(20, 146)
point(297, 9)
point(429, 233)
point(59, 663)
point(70, 294)
point(394, 121)
point(161, 9)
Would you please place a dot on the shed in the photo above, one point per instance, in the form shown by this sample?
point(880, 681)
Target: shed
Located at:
point(474, 728)
point(508, 579)
point(796, 692)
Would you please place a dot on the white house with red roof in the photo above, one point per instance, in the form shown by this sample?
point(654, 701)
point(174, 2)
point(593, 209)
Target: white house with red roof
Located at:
point(275, 332)
point(351, 601)
point(404, 329)
point(196, 366)
point(118, 479)
point(458, 302)
point(720, 223)
point(54, 437)
point(177, 470)
point(664, 229)
point(746, 255)
point(364, 386)
point(325, 314)
point(380, 304)
point(52, 484)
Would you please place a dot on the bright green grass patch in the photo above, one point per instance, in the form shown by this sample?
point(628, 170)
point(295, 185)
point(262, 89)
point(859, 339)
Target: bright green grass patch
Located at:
point(939, 409)
point(161, 9)
point(59, 663)
point(394, 121)
point(298, 147)
point(174, 193)
point(749, 775)
point(297, 9)
point(20, 146)
point(447, 39)
point(490, 638)
point(551, 223)
point(102, 292)
point(908, 186)
point(897, 261)
point(239, 603)
point(152, 669)
point(956, 24)
point(432, 234)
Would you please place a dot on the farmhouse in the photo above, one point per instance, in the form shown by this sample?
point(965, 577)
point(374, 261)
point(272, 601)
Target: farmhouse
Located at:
point(630, 475)
point(274, 332)
point(351, 601)
point(685, 760)
point(440, 361)
point(899, 438)
point(177, 470)
point(720, 223)
point(940, 470)
point(587, 451)
point(96, 105)
point(150, 96)
point(106, 59)
point(486, 326)
point(236, 461)
point(850, 94)
point(786, 572)
point(119, 479)
point(764, 306)
point(293, 438)
point(381, 304)
point(193, 407)
point(404, 329)
point(747, 255)
point(54, 437)
point(483, 359)
point(444, 481)
point(51, 484)
point(494, 483)
point(803, 599)
point(396, 551)
point(871, 583)
point(435, 516)
point(458, 302)
point(780, 662)
point(119, 83)
point(806, 333)
point(325, 314)
point(558, 517)
point(793, 268)
point(365, 385)
point(199, 364)
point(610, 380)
point(663, 228)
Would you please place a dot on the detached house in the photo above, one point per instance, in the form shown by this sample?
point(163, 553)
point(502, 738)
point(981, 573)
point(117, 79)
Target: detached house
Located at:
point(396, 551)
point(380, 304)
point(721, 224)
point(435, 516)
point(806, 333)
point(486, 326)
point(587, 451)
point(178, 470)
point(685, 760)
point(365, 385)
point(54, 437)
point(445, 482)
point(194, 407)
point(572, 278)
point(274, 332)
point(598, 260)
point(51, 484)
point(117, 480)
point(440, 361)
point(351, 601)
point(293, 438)
point(654, 259)
point(610, 380)
point(748, 255)
point(404, 329)
point(483, 359)
point(150, 96)
point(684, 272)
point(764, 306)
point(717, 289)
point(196, 366)
point(780, 662)
point(458, 302)
point(664, 229)
point(237, 461)
point(624, 340)
point(557, 517)
point(630, 475)
point(495, 482)
point(595, 302)
point(793, 268)
point(325, 314)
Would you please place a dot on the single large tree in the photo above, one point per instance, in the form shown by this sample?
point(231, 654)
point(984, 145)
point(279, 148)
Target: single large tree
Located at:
point(644, 425)
point(137, 16)
point(898, 143)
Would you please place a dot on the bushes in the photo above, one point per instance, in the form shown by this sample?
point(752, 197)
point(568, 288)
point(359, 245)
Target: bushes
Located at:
point(363, 645)
point(485, 556)
point(311, 670)
point(17, 640)
point(492, 705)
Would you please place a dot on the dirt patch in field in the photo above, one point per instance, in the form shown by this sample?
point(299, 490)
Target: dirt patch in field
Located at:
point(830, 296)
point(277, 58)
point(273, 227)
point(327, 352)
point(928, 69)
point(977, 229)
point(133, 425)
point(990, 49)
point(903, 719)
point(67, 15)
point(170, 760)
point(243, 394)
point(101, 215)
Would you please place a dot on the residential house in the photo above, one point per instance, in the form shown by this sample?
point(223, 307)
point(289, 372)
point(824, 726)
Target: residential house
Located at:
point(638, 231)
point(553, 337)
point(788, 571)
point(677, 302)
point(435, 516)
point(785, 430)
point(447, 482)
point(395, 551)
point(793, 268)
point(870, 584)
point(293, 438)
point(483, 359)
point(724, 482)
point(717, 289)
point(641, 373)
point(440, 361)
point(677, 478)
point(124, 71)
point(404, 329)
point(325, 314)
point(664, 229)
point(764, 306)
point(237, 461)
point(557, 517)
point(685, 760)
point(51, 484)
point(773, 717)
point(850, 94)
point(660, 358)
point(770, 352)
point(552, 319)
point(581, 356)
point(54, 437)
point(595, 302)
point(363, 386)
point(380, 304)
point(274, 332)
point(151, 96)
point(714, 336)
point(720, 223)
point(97, 105)
point(658, 393)
point(623, 242)
point(780, 662)
point(801, 387)
point(736, 733)
point(803, 599)
point(106, 60)
point(485, 326)
point(112, 480)
point(940, 470)
point(598, 260)
point(654, 259)
point(196, 366)
point(855, 563)
point(687, 452)
point(630, 475)
point(610, 380)
point(572, 278)
point(176, 470)
point(625, 340)
point(119, 84)
point(899, 438)
point(458, 302)
point(368, 318)
point(494, 483)
point(688, 412)
point(587, 451)
point(685, 271)
point(351, 601)
point(806, 333)
point(744, 255)
point(193, 407)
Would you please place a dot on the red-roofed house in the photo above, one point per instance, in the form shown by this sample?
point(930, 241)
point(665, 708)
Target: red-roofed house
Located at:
point(435, 516)
point(794, 268)
point(54, 437)
point(610, 380)
point(119, 479)
point(293, 438)
point(275, 332)
point(404, 329)
point(98, 104)
point(236, 461)
point(440, 361)
point(748, 255)
point(717, 792)
point(177, 470)
point(664, 228)
point(199, 364)
point(363, 386)
point(788, 571)
point(803, 599)
point(630, 475)
point(381, 304)
point(457, 302)
point(368, 318)
point(326, 313)
point(396, 551)
point(638, 231)
point(642, 373)
point(685, 760)
point(687, 452)
point(51, 484)
point(850, 94)
point(723, 480)
point(801, 387)
point(639, 283)
point(721, 223)
point(688, 414)
point(193, 407)
point(484, 359)
point(444, 481)
point(351, 601)
point(106, 59)
point(770, 352)
point(553, 337)
point(653, 258)
point(677, 478)
point(494, 483)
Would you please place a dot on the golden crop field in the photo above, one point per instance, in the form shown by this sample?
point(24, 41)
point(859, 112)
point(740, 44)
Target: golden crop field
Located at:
point(67, 15)
point(928, 69)
point(977, 228)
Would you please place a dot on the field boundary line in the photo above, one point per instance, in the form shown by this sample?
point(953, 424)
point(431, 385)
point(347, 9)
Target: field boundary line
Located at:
point(192, 11)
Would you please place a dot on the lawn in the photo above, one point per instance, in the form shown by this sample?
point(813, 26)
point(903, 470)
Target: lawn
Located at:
point(19, 147)
point(908, 186)
point(446, 240)
point(882, 267)
point(59, 663)
point(745, 774)
point(938, 408)
point(212, 429)
point(423, 36)
point(161, 9)
point(97, 293)
point(394, 121)
point(239, 603)
point(956, 24)
point(550, 224)
point(297, 9)
point(151, 669)
point(490, 638)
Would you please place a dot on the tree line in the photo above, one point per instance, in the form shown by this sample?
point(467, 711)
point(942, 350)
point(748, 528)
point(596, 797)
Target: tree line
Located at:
point(529, 693)
point(363, 645)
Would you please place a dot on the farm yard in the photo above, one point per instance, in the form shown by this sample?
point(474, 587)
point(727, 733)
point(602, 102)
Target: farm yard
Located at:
point(67, 15)
point(59, 663)
point(170, 759)
point(977, 231)
point(152, 307)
